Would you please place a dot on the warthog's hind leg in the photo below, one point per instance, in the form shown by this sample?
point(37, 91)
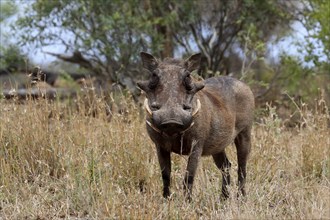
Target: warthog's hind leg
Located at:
point(224, 165)
point(164, 159)
point(243, 146)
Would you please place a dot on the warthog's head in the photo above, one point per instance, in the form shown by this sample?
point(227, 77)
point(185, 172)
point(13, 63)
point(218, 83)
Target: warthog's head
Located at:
point(170, 91)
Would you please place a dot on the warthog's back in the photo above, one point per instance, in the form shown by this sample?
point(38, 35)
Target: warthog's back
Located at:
point(237, 95)
point(229, 104)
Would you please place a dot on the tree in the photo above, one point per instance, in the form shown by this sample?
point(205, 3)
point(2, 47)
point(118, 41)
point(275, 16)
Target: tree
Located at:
point(11, 57)
point(316, 19)
point(102, 36)
point(7, 10)
point(220, 28)
point(107, 36)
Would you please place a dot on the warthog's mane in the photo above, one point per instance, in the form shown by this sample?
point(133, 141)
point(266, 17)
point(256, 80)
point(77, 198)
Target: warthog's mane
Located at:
point(172, 61)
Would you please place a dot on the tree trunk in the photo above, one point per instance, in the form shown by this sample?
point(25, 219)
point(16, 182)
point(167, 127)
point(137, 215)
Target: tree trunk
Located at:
point(166, 32)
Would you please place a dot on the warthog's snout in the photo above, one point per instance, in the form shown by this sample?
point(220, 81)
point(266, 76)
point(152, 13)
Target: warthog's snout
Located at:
point(172, 120)
point(172, 126)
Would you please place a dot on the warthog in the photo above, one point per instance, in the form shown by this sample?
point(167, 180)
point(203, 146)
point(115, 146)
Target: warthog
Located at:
point(195, 118)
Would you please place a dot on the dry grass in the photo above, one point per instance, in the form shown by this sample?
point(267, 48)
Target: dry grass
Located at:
point(56, 162)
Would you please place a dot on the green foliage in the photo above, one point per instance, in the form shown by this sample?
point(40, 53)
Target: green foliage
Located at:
point(301, 82)
point(106, 37)
point(110, 34)
point(316, 21)
point(11, 58)
point(221, 28)
point(7, 9)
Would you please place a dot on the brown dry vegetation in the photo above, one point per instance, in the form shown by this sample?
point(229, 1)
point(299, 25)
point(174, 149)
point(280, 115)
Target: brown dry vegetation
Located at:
point(57, 162)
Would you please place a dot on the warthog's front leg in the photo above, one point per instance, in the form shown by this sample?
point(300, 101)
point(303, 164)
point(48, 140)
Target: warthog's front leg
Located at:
point(164, 158)
point(193, 160)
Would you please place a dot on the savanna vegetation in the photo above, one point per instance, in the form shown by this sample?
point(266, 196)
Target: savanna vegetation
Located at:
point(59, 162)
point(89, 157)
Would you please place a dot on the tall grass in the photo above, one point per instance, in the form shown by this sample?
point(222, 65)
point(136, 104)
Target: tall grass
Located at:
point(59, 161)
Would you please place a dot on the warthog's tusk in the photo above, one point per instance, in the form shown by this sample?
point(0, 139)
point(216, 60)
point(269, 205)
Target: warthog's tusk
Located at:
point(197, 109)
point(146, 106)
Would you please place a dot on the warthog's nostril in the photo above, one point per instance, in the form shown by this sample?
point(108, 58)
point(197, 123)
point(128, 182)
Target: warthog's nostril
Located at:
point(186, 107)
point(155, 106)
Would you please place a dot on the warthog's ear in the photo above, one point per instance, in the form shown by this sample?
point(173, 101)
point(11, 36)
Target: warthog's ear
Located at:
point(143, 85)
point(149, 61)
point(193, 62)
point(199, 86)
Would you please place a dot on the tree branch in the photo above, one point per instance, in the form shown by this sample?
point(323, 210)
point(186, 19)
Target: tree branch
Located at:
point(76, 58)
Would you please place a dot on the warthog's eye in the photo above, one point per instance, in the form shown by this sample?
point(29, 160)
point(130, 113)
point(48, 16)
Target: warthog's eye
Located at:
point(153, 81)
point(187, 82)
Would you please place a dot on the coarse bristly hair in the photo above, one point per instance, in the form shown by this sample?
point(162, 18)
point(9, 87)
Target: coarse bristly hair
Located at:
point(225, 109)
